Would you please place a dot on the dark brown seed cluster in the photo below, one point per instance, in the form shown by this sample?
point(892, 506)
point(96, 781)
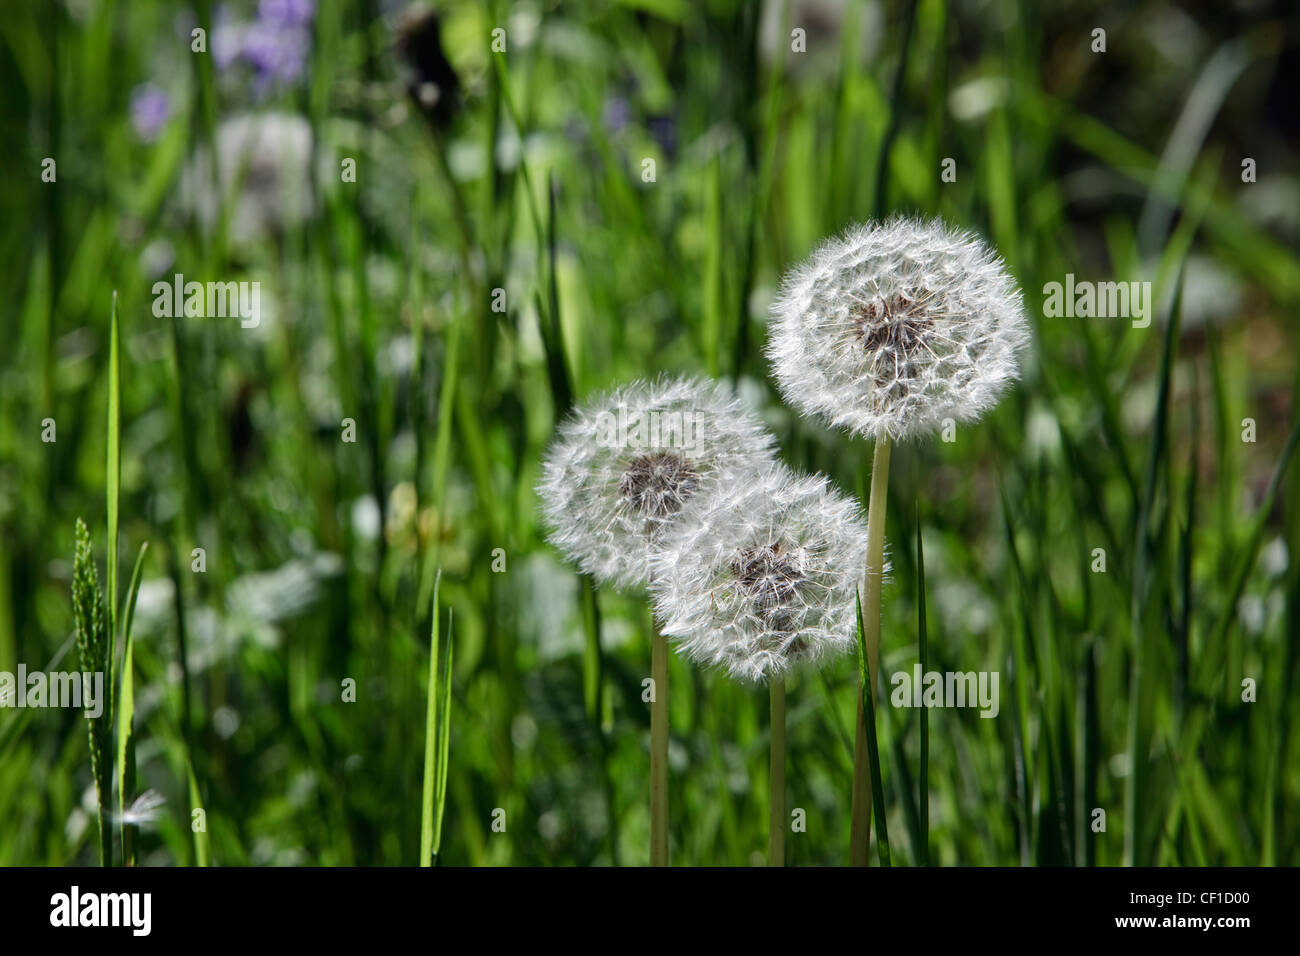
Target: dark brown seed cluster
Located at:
point(772, 579)
point(657, 484)
point(891, 334)
point(900, 326)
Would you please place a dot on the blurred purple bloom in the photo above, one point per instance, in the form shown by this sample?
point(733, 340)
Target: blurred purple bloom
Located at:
point(279, 54)
point(150, 110)
point(616, 113)
point(276, 43)
point(227, 39)
point(287, 13)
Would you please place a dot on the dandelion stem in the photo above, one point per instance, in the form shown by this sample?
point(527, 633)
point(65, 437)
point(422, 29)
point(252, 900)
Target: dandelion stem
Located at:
point(776, 776)
point(860, 837)
point(659, 751)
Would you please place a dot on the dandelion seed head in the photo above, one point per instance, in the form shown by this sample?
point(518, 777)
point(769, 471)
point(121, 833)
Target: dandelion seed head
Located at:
point(626, 465)
point(264, 170)
point(893, 327)
point(763, 580)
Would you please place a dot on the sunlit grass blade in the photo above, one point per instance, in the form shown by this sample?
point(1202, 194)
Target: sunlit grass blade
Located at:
point(126, 716)
point(199, 833)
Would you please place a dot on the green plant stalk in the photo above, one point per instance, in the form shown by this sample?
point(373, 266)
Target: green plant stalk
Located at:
point(873, 751)
point(923, 785)
point(593, 684)
point(659, 750)
point(776, 776)
point(201, 855)
point(430, 737)
point(860, 835)
point(444, 745)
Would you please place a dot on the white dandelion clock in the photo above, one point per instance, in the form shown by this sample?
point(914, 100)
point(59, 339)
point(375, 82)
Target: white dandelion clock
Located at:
point(625, 464)
point(762, 578)
point(264, 174)
point(891, 328)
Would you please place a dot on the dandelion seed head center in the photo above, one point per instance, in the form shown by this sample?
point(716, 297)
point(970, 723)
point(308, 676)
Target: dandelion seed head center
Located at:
point(897, 324)
point(657, 484)
point(771, 577)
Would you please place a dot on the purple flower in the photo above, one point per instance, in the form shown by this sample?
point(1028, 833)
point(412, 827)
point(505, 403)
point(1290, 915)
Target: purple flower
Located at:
point(150, 110)
point(287, 13)
point(616, 113)
point(279, 54)
point(227, 40)
point(276, 43)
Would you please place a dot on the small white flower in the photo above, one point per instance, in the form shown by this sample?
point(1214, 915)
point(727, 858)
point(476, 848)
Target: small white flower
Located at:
point(765, 577)
point(264, 164)
point(625, 464)
point(891, 328)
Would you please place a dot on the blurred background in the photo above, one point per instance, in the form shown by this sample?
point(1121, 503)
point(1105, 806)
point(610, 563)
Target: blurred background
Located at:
point(464, 216)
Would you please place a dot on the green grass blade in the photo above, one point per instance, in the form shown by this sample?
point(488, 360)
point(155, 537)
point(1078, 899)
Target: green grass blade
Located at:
point(1138, 730)
point(113, 473)
point(442, 453)
point(895, 110)
point(873, 754)
point(444, 744)
point(1211, 656)
point(125, 716)
point(430, 737)
point(201, 848)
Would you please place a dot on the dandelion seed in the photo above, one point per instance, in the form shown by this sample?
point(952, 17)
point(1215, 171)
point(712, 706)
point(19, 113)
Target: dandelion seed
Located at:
point(891, 328)
point(762, 578)
point(624, 466)
point(144, 810)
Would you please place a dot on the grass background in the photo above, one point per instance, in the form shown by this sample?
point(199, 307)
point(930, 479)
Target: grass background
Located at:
point(1119, 690)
